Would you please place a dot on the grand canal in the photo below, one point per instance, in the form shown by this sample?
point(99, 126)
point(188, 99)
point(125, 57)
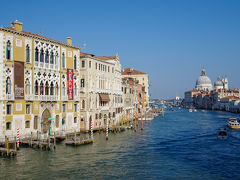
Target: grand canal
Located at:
point(180, 145)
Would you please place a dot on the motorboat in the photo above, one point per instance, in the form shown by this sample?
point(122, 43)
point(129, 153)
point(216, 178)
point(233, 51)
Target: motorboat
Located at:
point(233, 123)
point(222, 133)
point(195, 110)
point(190, 110)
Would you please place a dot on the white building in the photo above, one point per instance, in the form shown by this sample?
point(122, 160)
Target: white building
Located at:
point(203, 83)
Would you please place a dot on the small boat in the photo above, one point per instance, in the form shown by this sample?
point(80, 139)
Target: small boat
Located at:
point(233, 123)
point(222, 133)
point(190, 110)
point(195, 110)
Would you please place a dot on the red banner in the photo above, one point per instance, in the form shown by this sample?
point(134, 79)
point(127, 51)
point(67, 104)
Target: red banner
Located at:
point(70, 84)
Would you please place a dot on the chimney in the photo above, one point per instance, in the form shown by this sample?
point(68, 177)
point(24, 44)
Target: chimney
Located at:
point(69, 40)
point(17, 25)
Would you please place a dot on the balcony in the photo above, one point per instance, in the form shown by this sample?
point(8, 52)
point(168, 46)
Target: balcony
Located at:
point(104, 108)
point(76, 98)
point(29, 97)
point(46, 65)
point(9, 97)
point(64, 98)
point(82, 89)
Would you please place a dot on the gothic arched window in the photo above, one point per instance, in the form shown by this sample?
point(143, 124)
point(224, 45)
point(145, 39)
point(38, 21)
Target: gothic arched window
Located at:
point(41, 55)
point(47, 88)
point(27, 54)
point(56, 58)
point(36, 54)
point(47, 57)
point(56, 90)
point(8, 51)
point(63, 89)
point(63, 60)
point(8, 85)
point(51, 58)
point(75, 89)
point(27, 87)
point(51, 89)
point(75, 62)
point(36, 88)
point(41, 88)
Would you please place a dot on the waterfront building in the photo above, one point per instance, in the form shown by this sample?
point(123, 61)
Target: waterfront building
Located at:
point(188, 97)
point(39, 81)
point(100, 91)
point(142, 79)
point(130, 98)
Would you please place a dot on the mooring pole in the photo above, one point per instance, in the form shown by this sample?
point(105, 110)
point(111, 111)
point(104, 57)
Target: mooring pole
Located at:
point(107, 131)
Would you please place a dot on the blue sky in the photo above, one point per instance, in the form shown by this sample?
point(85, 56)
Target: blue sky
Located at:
point(170, 40)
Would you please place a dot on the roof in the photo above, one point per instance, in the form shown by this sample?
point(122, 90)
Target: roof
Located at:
point(231, 97)
point(193, 90)
point(38, 36)
point(131, 71)
point(83, 54)
point(106, 57)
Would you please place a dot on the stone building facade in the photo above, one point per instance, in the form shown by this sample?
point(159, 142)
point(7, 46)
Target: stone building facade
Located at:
point(39, 80)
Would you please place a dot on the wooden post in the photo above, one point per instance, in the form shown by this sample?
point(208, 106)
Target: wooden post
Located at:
point(15, 144)
point(49, 142)
point(107, 131)
point(7, 147)
point(31, 140)
point(75, 137)
point(17, 137)
point(54, 140)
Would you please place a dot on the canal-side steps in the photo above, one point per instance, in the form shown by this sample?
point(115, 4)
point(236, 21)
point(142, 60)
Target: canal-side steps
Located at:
point(8, 147)
point(39, 141)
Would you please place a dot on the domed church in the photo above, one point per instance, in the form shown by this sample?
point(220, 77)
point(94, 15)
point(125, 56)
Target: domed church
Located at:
point(221, 83)
point(203, 83)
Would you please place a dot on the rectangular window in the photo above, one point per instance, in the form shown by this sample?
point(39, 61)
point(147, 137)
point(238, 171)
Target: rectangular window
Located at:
point(35, 122)
point(28, 109)
point(112, 70)
point(83, 64)
point(90, 64)
point(9, 109)
point(63, 107)
point(108, 69)
point(75, 107)
point(27, 124)
point(8, 126)
point(96, 65)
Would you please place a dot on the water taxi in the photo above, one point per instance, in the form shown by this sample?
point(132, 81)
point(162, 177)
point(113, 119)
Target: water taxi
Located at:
point(222, 133)
point(233, 123)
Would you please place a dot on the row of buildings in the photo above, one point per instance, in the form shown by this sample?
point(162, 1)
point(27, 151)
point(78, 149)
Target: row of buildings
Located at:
point(44, 81)
point(217, 97)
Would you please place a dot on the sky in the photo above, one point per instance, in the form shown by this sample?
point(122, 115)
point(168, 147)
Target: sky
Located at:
point(170, 40)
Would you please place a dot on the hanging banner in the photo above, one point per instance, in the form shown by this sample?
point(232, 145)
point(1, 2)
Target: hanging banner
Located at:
point(18, 80)
point(70, 84)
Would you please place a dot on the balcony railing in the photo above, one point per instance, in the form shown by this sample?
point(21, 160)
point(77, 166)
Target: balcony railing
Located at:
point(64, 98)
point(104, 108)
point(82, 89)
point(45, 65)
point(76, 98)
point(10, 97)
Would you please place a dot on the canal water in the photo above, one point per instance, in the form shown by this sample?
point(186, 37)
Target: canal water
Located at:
point(180, 145)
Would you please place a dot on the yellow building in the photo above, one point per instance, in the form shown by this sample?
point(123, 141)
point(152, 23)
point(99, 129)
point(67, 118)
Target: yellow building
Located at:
point(39, 80)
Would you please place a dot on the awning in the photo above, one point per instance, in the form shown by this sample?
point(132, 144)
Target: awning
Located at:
point(104, 97)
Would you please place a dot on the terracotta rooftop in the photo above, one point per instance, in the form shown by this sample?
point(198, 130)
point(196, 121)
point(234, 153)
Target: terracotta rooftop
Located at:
point(231, 97)
point(11, 29)
point(193, 90)
point(106, 57)
point(82, 54)
point(131, 71)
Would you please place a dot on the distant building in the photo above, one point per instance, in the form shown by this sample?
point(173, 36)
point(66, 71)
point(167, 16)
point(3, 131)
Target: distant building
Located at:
point(203, 83)
point(141, 77)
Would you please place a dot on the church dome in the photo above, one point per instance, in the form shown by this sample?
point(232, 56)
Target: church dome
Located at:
point(204, 79)
point(218, 82)
point(204, 82)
